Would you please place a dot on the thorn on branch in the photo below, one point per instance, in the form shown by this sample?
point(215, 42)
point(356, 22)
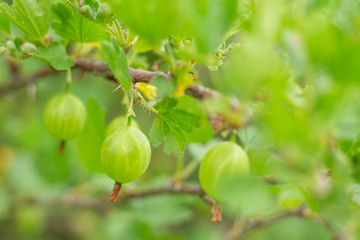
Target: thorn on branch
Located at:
point(117, 88)
point(115, 192)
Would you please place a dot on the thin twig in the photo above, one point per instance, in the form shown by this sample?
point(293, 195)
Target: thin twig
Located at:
point(27, 79)
point(171, 188)
point(299, 212)
point(102, 204)
point(179, 189)
point(201, 91)
point(80, 201)
point(137, 75)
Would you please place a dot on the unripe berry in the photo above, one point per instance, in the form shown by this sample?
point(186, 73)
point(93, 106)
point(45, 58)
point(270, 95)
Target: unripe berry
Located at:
point(119, 122)
point(223, 162)
point(125, 154)
point(65, 116)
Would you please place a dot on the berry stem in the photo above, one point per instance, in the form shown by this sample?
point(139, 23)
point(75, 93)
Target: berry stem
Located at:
point(115, 191)
point(129, 121)
point(233, 137)
point(68, 79)
point(130, 109)
point(61, 147)
point(216, 211)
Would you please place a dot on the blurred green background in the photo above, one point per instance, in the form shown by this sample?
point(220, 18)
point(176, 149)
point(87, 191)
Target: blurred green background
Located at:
point(296, 74)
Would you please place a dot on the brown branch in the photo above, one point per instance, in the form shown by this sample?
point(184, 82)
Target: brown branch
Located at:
point(201, 91)
point(102, 204)
point(172, 188)
point(300, 212)
point(180, 189)
point(137, 75)
point(22, 81)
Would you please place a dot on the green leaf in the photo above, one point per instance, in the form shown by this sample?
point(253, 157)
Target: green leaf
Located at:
point(90, 141)
point(115, 56)
point(56, 56)
point(251, 138)
point(204, 131)
point(57, 169)
point(207, 21)
point(75, 27)
point(153, 21)
point(290, 195)
point(31, 16)
point(92, 3)
point(5, 203)
point(4, 24)
point(104, 14)
point(356, 193)
point(96, 11)
point(156, 134)
point(248, 195)
point(163, 209)
point(214, 19)
point(163, 86)
point(172, 126)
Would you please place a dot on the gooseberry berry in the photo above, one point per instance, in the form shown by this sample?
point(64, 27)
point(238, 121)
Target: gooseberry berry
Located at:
point(223, 162)
point(65, 116)
point(119, 122)
point(125, 154)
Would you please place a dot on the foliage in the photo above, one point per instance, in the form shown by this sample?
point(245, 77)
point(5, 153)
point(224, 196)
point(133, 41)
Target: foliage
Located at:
point(283, 80)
